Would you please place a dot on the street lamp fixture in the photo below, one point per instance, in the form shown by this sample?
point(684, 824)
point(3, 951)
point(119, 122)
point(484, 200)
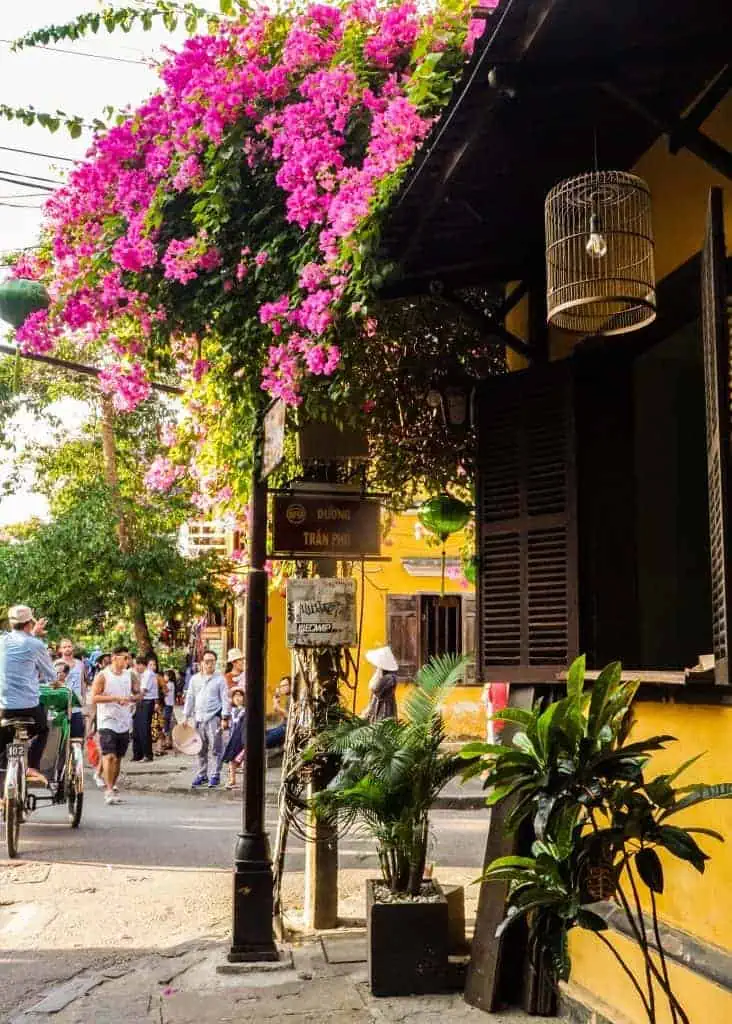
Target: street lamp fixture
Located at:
point(451, 400)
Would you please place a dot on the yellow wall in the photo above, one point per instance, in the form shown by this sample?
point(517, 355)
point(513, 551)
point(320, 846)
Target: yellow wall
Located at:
point(463, 712)
point(697, 904)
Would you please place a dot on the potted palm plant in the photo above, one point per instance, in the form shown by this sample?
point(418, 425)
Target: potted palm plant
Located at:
point(598, 824)
point(387, 775)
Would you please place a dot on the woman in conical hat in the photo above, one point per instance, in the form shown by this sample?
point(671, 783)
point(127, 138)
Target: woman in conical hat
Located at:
point(382, 685)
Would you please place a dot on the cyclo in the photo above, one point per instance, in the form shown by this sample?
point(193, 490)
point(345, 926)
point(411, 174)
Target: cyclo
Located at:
point(62, 765)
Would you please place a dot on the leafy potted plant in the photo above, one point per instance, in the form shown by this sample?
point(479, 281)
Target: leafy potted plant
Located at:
point(388, 774)
point(597, 822)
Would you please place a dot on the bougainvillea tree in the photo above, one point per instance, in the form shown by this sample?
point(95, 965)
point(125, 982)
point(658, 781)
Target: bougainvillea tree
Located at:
point(227, 230)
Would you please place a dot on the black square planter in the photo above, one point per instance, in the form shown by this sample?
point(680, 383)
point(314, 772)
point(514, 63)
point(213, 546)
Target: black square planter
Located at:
point(407, 945)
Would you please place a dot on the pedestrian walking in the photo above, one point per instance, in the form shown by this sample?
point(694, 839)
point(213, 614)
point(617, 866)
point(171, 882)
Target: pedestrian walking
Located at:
point(24, 665)
point(142, 740)
point(115, 691)
point(382, 685)
point(207, 705)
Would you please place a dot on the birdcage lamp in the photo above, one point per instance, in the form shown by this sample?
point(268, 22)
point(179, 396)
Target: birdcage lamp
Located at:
point(599, 254)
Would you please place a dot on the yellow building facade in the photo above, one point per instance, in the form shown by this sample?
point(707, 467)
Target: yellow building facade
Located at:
point(398, 602)
point(694, 907)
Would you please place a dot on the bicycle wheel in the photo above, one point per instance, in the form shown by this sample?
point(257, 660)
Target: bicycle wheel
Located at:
point(74, 802)
point(12, 827)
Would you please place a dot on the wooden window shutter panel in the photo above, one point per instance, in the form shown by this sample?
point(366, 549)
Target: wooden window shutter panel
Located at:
point(527, 529)
point(402, 632)
point(716, 339)
point(468, 611)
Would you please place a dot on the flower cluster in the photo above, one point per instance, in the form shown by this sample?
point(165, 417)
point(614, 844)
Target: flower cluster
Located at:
point(162, 474)
point(237, 203)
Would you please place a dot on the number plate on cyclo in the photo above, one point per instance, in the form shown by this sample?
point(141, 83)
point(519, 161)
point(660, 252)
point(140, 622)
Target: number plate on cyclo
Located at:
point(16, 750)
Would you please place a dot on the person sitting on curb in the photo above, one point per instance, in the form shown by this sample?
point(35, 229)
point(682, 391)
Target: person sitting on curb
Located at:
point(208, 704)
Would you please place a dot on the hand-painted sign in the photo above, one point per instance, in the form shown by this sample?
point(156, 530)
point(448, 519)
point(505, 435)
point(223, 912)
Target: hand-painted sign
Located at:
point(329, 525)
point(321, 613)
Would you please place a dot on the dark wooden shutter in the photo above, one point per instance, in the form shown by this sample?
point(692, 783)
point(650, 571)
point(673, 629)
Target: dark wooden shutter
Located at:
point(527, 588)
point(716, 339)
point(469, 638)
point(402, 631)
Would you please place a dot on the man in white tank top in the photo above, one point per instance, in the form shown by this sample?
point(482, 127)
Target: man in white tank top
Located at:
point(116, 689)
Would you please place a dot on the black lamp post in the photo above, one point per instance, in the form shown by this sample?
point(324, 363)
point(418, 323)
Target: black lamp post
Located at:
point(252, 931)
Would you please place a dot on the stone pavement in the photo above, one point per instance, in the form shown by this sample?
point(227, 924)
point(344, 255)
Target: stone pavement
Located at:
point(173, 773)
point(321, 981)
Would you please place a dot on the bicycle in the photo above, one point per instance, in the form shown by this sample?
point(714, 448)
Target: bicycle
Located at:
point(15, 793)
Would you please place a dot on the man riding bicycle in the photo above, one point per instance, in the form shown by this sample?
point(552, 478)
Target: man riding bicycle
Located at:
point(24, 664)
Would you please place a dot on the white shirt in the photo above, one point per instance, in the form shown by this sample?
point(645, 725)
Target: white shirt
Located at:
point(170, 695)
point(149, 685)
point(117, 717)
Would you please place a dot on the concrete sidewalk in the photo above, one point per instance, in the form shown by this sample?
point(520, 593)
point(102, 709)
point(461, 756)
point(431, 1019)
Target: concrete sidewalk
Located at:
point(174, 772)
point(320, 981)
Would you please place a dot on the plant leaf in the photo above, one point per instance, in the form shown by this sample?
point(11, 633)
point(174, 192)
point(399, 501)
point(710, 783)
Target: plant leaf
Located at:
point(576, 679)
point(590, 920)
point(650, 868)
point(699, 795)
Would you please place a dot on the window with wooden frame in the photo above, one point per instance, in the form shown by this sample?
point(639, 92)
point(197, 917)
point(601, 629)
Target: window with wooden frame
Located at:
point(420, 626)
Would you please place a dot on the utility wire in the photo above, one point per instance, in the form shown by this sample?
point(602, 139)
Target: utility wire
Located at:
point(27, 184)
point(20, 206)
point(33, 177)
point(78, 53)
point(34, 152)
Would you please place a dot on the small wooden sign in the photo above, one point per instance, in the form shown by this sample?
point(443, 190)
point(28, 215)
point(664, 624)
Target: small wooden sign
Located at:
point(335, 526)
point(321, 613)
point(274, 438)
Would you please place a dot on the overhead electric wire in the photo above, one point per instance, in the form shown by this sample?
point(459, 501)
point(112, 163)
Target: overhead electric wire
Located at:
point(33, 177)
point(34, 152)
point(77, 53)
point(20, 206)
point(27, 184)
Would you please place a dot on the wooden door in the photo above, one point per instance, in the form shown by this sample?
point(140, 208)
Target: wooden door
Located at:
point(403, 632)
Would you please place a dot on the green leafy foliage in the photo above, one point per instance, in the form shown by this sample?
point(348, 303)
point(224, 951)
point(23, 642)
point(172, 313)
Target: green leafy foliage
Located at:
point(573, 777)
point(388, 773)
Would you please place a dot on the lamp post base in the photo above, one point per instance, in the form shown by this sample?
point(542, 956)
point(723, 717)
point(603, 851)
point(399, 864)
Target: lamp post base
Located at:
point(253, 936)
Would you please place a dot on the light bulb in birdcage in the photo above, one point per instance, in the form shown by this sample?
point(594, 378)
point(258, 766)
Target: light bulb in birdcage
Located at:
point(596, 246)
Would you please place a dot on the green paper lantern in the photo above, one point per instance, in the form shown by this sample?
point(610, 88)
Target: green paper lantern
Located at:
point(444, 515)
point(20, 297)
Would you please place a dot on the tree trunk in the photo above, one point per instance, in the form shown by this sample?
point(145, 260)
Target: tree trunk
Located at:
point(135, 606)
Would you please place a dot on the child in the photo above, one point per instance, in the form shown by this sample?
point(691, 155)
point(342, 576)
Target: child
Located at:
point(236, 736)
point(158, 726)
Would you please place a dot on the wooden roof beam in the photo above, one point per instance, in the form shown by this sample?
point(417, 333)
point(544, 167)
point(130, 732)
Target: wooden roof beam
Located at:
point(706, 149)
point(489, 325)
point(705, 105)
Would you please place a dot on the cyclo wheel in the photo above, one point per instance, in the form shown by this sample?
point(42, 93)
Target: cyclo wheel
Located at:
point(12, 827)
point(74, 802)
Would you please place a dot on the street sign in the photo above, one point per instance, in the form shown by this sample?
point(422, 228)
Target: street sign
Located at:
point(321, 613)
point(274, 438)
point(326, 525)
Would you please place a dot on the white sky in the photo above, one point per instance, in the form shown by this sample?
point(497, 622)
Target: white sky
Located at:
point(50, 80)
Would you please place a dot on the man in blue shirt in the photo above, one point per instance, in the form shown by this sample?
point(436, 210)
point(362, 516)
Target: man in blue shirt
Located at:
point(208, 704)
point(24, 664)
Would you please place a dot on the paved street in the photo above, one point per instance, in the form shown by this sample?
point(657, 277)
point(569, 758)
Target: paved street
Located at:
point(154, 872)
point(199, 830)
